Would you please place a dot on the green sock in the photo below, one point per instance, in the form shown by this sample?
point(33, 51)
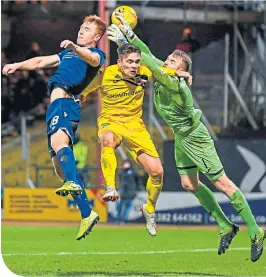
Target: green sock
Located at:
point(241, 205)
point(209, 203)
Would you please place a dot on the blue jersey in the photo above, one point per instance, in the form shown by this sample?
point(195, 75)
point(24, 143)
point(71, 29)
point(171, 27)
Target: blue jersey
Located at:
point(74, 74)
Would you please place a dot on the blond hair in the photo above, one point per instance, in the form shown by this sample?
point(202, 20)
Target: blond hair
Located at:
point(185, 57)
point(101, 25)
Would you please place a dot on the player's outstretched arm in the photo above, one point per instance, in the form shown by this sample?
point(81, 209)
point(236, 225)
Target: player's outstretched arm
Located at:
point(85, 54)
point(32, 64)
point(159, 74)
point(145, 49)
point(133, 38)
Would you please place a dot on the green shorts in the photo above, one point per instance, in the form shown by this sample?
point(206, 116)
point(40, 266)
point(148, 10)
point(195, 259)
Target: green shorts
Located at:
point(196, 152)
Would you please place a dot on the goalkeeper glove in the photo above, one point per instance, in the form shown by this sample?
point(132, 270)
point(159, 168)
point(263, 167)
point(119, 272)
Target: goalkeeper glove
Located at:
point(125, 28)
point(114, 34)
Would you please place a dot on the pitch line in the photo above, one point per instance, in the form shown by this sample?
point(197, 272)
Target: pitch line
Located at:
point(126, 253)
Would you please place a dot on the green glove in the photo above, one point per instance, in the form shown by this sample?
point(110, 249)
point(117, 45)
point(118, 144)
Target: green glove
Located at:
point(125, 28)
point(114, 34)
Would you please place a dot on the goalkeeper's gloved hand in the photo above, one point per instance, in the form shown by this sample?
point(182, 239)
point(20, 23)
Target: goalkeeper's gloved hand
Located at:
point(125, 27)
point(114, 34)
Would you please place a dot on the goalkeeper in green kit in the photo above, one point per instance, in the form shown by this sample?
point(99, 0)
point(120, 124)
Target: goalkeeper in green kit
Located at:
point(194, 148)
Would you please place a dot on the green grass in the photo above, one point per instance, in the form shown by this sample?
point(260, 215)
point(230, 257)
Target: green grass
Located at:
point(53, 240)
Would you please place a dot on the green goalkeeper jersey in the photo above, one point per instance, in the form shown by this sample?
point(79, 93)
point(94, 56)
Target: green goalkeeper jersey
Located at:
point(172, 97)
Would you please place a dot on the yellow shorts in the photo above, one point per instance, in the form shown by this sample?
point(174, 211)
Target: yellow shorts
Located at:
point(133, 135)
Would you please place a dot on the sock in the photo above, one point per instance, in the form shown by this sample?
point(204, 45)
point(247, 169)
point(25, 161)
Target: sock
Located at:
point(82, 200)
point(153, 187)
point(210, 204)
point(241, 205)
point(66, 159)
point(109, 165)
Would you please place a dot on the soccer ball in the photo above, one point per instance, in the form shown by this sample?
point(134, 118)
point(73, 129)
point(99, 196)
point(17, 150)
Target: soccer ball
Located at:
point(128, 13)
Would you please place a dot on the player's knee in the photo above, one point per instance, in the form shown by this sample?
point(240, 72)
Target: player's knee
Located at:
point(55, 144)
point(156, 172)
point(107, 140)
point(225, 185)
point(187, 185)
point(58, 141)
point(107, 143)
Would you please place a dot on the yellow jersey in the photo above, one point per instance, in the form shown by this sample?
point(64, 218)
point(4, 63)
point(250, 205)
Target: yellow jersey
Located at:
point(121, 97)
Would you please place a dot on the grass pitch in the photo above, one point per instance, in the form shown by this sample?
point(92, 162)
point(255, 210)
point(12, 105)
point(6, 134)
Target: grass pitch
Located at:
point(125, 251)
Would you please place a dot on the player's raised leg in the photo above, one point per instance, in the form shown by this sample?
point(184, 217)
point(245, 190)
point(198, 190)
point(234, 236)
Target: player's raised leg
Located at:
point(239, 202)
point(194, 153)
point(89, 217)
point(88, 222)
point(154, 168)
point(109, 142)
point(82, 199)
point(60, 144)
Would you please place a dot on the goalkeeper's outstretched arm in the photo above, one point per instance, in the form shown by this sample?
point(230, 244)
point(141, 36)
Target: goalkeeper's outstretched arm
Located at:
point(145, 49)
point(132, 38)
point(170, 82)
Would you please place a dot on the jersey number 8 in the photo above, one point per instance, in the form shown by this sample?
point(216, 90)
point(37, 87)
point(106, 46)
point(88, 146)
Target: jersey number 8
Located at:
point(55, 120)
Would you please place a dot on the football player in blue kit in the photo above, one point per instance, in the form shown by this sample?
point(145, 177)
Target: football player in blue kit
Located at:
point(77, 65)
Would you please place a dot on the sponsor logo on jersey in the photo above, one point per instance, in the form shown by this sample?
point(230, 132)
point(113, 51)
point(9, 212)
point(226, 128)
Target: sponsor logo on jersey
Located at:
point(125, 94)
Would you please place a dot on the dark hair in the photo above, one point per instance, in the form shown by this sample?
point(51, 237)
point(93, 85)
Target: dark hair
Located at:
point(185, 57)
point(127, 48)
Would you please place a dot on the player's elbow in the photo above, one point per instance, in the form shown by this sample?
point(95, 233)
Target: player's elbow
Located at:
point(37, 62)
point(94, 63)
point(41, 64)
point(47, 62)
point(92, 60)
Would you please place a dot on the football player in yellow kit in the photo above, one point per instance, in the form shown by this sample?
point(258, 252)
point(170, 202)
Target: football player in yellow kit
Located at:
point(122, 90)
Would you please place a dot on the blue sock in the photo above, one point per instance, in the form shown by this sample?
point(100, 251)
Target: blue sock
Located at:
point(66, 159)
point(82, 200)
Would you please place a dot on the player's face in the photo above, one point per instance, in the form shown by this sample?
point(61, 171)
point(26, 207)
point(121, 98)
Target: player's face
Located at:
point(88, 34)
point(129, 64)
point(174, 62)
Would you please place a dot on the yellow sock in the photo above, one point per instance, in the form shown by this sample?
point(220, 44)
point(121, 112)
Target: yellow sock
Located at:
point(154, 187)
point(109, 165)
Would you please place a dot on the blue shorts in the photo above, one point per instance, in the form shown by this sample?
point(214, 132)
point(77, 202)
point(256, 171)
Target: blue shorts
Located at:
point(64, 114)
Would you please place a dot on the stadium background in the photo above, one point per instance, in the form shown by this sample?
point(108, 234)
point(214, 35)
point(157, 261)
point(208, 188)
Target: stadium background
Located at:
point(229, 85)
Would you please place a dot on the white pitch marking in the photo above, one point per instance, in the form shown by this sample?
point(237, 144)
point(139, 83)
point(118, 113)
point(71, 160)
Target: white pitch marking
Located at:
point(125, 253)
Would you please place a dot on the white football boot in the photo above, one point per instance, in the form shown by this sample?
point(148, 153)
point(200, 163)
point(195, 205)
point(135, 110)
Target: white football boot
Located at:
point(150, 219)
point(110, 194)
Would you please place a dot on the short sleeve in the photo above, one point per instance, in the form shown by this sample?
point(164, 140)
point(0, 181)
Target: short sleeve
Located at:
point(62, 54)
point(101, 54)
